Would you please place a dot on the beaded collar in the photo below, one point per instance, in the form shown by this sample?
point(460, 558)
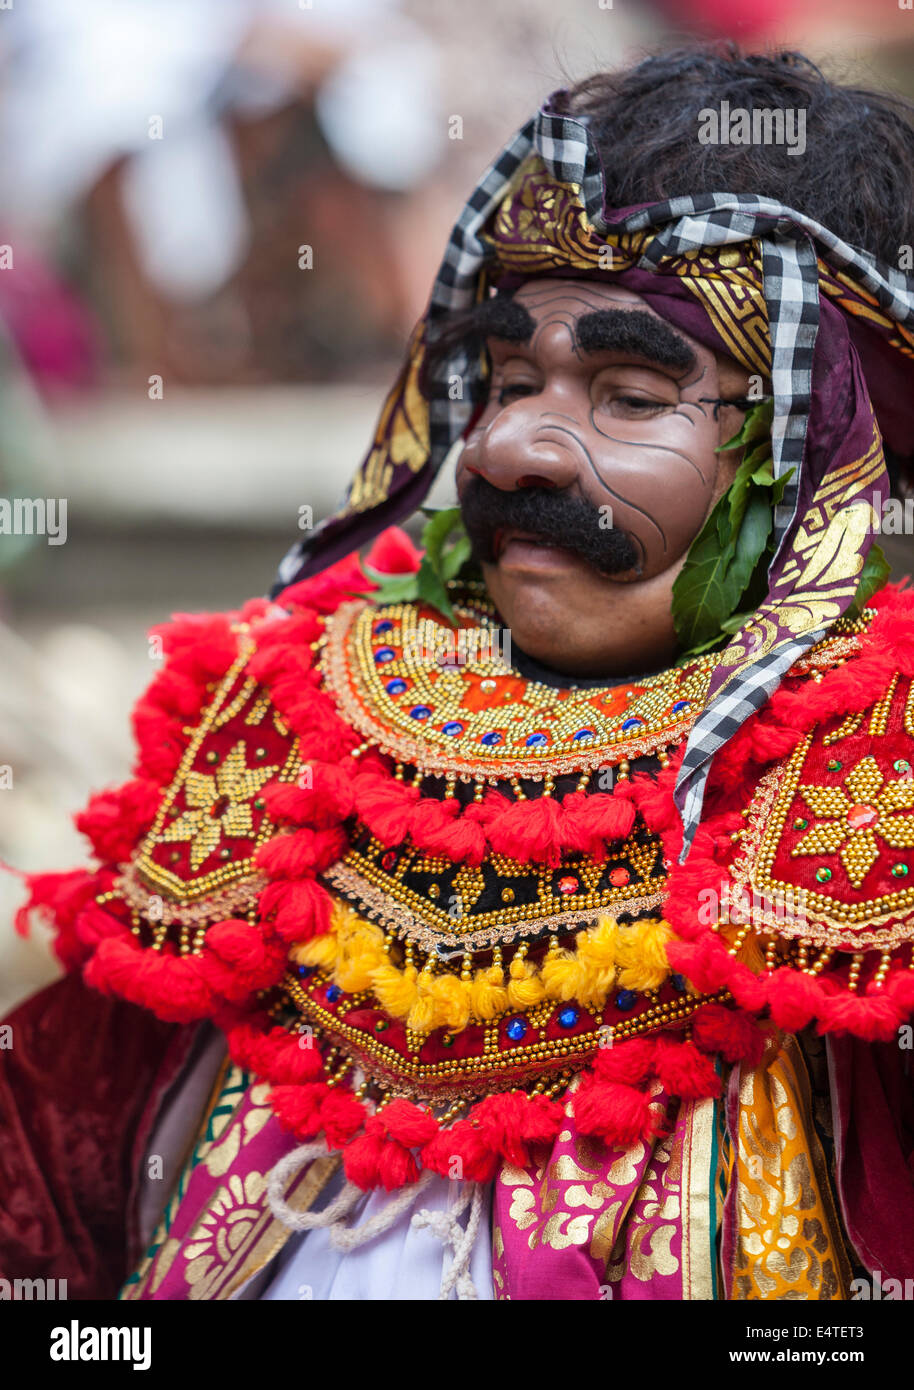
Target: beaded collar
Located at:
point(443, 699)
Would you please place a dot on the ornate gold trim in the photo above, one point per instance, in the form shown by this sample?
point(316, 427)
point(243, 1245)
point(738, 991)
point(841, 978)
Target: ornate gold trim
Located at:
point(380, 907)
point(458, 1078)
point(352, 679)
point(161, 881)
point(271, 1240)
point(226, 902)
point(357, 686)
point(824, 920)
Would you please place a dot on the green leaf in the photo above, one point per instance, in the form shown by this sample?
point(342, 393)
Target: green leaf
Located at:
point(440, 563)
point(731, 551)
point(723, 526)
point(436, 531)
point(702, 597)
point(874, 574)
point(456, 558)
point(755, 438)
point(393, 588)
point(432, 590)
point(750, 542)
point(728, 628)
point(764, 476)
point(735, 621)
point(738, 494)
point(755, 429)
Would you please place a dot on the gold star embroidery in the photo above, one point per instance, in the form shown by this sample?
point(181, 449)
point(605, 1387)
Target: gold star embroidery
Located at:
point(848, 824)
point(218, 805)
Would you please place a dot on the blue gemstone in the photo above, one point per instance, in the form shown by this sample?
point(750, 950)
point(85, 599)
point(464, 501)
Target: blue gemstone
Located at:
point(535, 740)
point(395, 687)
point(333, 993)
point(303, 971)
point(569, 1016)
point(453, 728)
point(681, 704)
point(385, 625)
point(631, 723)
point(490, 739)
point(626, 999)
point(516, 1029)
point(584, 733)
point(678, 982)
point(420, 711)
point(384, 654)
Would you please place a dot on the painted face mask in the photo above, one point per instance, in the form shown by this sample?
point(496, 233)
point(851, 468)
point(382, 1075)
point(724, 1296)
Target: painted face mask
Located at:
point(602, 405)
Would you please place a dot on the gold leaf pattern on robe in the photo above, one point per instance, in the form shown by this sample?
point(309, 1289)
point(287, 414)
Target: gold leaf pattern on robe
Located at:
point(788, 1243)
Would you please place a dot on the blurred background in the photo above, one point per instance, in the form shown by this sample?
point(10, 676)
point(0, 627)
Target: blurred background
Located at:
point(219, 220)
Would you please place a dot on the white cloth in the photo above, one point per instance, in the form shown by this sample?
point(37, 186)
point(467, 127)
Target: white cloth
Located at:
point(402, 1263)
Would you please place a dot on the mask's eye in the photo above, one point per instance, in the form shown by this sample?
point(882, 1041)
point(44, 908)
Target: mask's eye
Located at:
point(514, 391)
point(624, 407)
point(630, 392)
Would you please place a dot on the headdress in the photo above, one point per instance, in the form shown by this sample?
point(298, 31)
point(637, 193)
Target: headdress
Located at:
point(831, 327)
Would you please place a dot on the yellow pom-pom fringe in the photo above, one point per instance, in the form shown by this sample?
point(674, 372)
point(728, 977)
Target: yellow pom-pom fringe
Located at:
point(606, 956)
point(525, 986)
point(641, 954)
point(320, 952)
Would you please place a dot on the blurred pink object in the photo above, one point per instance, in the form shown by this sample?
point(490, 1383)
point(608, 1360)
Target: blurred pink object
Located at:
point(53, 330)
point(750, 19)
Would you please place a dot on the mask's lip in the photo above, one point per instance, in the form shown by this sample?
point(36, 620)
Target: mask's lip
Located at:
point(505, 534)
point(555, 558)
point(533, 554)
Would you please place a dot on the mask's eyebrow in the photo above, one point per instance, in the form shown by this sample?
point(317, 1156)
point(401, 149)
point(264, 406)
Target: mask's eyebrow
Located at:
point(501, 317)
point(632, 330)
point(466, 331)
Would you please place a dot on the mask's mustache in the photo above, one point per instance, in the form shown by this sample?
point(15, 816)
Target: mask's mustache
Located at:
point(560, 518)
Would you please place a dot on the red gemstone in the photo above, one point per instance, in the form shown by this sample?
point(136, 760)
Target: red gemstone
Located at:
point(619, 877)
point(861, 815)
point(219, 807)
point(569, 884)
point(388, 862)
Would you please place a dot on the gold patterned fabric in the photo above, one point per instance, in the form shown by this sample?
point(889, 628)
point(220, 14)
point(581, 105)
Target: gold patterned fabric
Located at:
point(581, 1222)
point(541, 227)
point(623, 1224)
point(733, 1202)
point(785, 1235)
point(217, 1229)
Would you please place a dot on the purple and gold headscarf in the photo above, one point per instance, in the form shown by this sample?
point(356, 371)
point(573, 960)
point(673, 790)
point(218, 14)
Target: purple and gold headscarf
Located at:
point(830, 327)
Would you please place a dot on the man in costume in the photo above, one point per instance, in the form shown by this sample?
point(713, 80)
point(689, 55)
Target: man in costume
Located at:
point(420, 963)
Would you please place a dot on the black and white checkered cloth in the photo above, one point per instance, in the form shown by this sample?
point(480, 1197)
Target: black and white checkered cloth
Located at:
point(789, 244)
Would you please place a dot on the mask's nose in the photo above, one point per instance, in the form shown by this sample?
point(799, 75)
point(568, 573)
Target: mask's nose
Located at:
point(525, 446)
